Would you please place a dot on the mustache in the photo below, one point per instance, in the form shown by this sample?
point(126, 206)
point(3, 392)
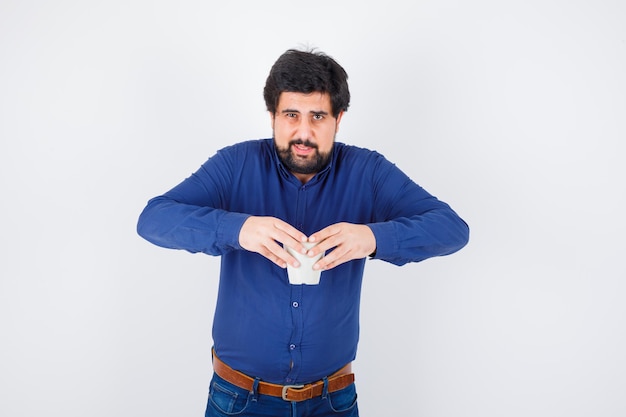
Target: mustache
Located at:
point(303, 142)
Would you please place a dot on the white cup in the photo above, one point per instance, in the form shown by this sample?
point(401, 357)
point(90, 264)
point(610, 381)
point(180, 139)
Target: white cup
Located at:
point(304, 274)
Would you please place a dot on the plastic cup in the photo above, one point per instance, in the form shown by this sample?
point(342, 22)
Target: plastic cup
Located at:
point(304, 274)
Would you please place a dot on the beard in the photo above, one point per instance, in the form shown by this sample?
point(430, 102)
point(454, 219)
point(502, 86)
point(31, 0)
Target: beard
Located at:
point(299, 165)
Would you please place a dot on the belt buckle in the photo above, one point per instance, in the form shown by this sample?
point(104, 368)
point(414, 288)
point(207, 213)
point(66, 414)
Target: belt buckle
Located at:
point(286, 387)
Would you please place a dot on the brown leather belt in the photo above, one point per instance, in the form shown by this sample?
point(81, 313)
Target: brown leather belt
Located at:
point(337, 381)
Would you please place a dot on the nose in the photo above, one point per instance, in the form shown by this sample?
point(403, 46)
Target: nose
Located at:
point(305, 130)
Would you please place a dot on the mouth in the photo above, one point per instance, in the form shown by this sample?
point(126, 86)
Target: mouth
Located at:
point(301, 148)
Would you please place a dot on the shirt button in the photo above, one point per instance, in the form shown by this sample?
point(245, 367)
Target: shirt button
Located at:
point(295, 304)
point(292, 346)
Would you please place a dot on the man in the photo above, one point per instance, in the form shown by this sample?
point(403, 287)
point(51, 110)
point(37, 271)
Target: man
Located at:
point(283, 349)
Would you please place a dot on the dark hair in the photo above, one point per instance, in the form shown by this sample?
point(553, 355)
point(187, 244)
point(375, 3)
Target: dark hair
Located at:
point(307, 72)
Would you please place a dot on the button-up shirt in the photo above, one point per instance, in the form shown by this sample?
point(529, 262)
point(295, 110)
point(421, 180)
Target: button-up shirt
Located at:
point(264, 326)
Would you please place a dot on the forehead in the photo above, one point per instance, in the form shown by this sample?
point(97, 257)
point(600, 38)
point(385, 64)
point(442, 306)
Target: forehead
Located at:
point(304, 102)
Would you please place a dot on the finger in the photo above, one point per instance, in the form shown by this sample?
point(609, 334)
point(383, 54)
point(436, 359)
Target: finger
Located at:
point(326, 264)
point(290, 231)
point(272, 257)
point(325, 233)
point(279, 256)
point(289, 236)
point(324, 246)
point(336, 257)
point(288, 241)
point(327, 238)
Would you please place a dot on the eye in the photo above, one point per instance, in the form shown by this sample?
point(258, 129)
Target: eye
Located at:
point(291, 115)
point(318, 116)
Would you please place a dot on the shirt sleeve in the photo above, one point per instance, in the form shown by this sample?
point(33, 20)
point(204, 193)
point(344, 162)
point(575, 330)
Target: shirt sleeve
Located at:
point(411, 224)
point(193, 216)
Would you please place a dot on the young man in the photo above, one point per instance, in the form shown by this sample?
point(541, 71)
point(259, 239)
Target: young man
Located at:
point(283, 349)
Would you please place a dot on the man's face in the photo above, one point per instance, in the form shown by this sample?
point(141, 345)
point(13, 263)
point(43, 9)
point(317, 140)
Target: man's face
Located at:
point(304, 132)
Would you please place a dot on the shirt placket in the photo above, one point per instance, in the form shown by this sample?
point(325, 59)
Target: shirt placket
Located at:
point(297, 313)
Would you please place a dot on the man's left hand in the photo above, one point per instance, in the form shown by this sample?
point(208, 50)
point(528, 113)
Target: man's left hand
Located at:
point(350, 241)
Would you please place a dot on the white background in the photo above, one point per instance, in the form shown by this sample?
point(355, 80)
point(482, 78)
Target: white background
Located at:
point(512, 112)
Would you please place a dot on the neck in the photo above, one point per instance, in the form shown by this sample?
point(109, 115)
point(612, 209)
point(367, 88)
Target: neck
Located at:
point(304, 178)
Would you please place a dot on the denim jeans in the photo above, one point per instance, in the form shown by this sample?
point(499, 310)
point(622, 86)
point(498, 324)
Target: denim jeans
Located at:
point(226, 399)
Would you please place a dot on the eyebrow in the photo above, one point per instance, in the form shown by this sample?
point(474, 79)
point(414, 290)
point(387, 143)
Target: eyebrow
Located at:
point(322, 112)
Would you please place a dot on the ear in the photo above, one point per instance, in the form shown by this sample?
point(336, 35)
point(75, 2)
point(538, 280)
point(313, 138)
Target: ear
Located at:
point(272, 119)
point(339, 116)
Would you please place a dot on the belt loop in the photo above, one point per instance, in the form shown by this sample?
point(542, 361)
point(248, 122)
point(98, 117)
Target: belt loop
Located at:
point(254, 392)
point(325, 389)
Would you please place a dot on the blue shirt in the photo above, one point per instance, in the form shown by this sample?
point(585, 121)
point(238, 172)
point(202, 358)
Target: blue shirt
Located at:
point(264, 326)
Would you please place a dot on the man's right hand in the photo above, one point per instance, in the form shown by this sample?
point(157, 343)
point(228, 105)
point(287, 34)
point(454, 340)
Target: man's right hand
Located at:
point(263, 235)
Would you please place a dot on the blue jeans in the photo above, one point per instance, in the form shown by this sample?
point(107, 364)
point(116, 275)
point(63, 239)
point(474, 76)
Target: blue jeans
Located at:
point(226, 399)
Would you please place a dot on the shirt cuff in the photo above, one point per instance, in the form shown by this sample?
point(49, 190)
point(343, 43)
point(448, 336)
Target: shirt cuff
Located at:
point(229, 228)
point(386, 242)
